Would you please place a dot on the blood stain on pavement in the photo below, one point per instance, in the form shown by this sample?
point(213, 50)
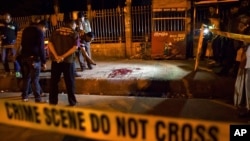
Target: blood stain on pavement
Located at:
point(119, 72)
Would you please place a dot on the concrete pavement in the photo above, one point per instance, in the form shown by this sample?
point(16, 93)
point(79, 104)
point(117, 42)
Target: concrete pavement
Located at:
point(168, 88)
point(157, 78)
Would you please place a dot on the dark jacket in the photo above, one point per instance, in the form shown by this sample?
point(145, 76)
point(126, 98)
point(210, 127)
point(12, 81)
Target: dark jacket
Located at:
point(33, 43)
point(9, 30)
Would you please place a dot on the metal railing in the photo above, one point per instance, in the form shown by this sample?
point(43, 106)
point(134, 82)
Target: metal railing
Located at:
point(141, 17)
point(172, 19)
point(109, 25)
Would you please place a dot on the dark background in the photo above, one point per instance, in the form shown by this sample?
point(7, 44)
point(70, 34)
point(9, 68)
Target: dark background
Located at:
point(40, 7)
point(26, 7)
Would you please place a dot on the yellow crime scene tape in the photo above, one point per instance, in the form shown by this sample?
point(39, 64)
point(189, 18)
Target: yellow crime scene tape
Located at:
point(240, 37)
point(104, 125)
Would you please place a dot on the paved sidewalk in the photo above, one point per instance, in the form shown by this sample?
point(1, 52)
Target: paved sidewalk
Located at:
point(150, 87)
point(155, 78)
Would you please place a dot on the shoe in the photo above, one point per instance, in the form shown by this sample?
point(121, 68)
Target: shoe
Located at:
point(25, 100)
point(90, 67)
point(78, 75)
point(43, 95)
point(18, 75)
point(82, 69)
point(92, 62)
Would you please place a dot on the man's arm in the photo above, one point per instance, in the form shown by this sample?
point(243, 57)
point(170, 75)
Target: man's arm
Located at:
point(52, 50)
point(69, 52)
point(72, 49)
point(41, 48)
point(61, 58)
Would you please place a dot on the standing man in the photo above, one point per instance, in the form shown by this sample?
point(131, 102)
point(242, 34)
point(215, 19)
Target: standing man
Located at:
point(62, 45)
point(229, 50)
point(8, 31)
point(33, 57)
point(83, 27)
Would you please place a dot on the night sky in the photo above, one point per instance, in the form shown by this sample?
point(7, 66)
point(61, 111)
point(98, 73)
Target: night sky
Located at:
point(39, 7)
point(26, 7)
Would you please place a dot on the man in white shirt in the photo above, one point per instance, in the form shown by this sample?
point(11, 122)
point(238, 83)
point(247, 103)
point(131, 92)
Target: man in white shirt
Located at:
point(247, 78)
point(83, 27)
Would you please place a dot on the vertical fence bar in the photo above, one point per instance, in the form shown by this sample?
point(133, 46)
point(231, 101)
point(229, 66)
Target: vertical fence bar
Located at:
point(114, 23)
point(108, 24)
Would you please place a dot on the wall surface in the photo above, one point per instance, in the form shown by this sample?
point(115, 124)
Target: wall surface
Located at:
point(108, 50)
point(114, 50)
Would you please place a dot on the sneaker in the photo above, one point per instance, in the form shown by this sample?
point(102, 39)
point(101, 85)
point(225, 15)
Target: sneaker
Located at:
point(78, 75)
point(18, 75)
point(25, 100)
point(83, 68)
point(43, 95)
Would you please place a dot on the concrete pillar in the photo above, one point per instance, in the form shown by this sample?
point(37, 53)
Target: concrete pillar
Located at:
point(128, 29)
point(89, 16)
point(190, 31)
point(56, 6)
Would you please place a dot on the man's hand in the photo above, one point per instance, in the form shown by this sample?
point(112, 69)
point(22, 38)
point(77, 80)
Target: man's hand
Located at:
point(44, 67)
point(59, 59)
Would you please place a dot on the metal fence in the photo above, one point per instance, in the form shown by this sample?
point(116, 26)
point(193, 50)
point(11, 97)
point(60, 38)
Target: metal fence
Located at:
point(141, 17)
point(202, 12)
point(109, 24)
point(171, 19)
